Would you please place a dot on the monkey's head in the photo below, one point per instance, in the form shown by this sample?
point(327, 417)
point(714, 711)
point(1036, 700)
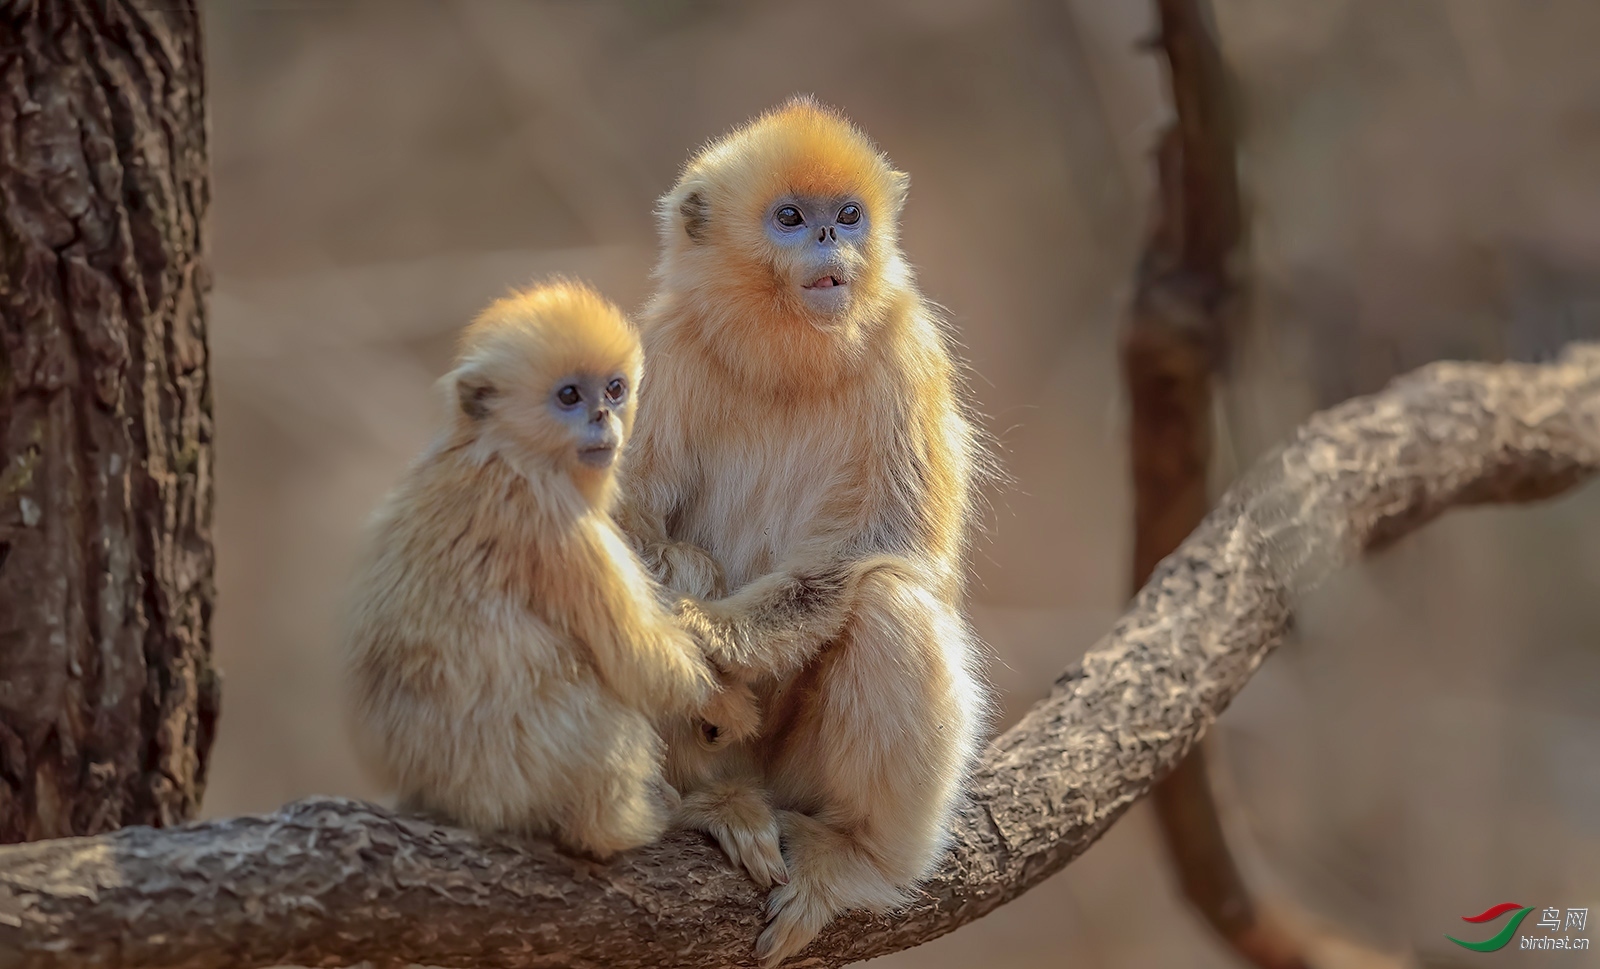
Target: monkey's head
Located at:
point(546, 377)
point(785, 236)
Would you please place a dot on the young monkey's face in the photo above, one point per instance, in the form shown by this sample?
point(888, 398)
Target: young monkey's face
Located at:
point(819, 247)
point(592, 408)
point(547, 379)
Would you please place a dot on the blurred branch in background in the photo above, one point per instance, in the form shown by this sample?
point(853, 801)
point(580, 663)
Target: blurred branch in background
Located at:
point(332, 882)
point(1185, 297)
point(1185, 309)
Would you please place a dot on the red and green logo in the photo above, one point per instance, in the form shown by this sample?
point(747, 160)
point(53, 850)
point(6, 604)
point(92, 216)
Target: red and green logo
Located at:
point(1503, 936)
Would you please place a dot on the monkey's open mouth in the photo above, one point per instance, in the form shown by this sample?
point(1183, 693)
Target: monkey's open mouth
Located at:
point(825, 282)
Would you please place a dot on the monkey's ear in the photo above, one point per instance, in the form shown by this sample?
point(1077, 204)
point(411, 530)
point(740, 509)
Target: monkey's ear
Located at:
point(695, 213)
point(474, 391)
point(899, 187)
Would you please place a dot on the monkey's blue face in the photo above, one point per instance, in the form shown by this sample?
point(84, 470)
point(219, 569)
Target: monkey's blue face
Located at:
point(821, 242)
point(592, 407)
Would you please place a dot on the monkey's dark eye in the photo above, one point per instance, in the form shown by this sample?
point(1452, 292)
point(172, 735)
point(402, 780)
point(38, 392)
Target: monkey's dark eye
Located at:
point(616, 390)
point(850, 214)
point(569, 396)
point(788, 217)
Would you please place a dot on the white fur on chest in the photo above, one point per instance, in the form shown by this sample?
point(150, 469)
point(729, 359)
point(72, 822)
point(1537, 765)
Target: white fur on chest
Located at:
point(760, 494)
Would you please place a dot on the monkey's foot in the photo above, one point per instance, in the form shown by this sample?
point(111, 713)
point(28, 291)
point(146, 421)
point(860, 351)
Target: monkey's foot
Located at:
point(796, 912)
point(744, 825)
point(756, 852)
point(828, 873)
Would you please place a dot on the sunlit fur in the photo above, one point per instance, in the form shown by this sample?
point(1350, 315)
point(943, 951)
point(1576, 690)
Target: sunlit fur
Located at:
point(517, 351)
point(775, 446)
point(507, 655)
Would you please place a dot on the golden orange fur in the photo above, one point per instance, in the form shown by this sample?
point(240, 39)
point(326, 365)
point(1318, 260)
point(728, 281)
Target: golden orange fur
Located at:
point(820, 463)
point(507, 655)
point(738, 278)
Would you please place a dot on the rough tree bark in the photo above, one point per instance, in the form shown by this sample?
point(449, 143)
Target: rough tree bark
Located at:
point(108, 699)
point(329, 882)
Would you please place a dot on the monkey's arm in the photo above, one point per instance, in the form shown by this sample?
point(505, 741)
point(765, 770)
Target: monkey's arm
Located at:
point(641, 653)
point(775, 624)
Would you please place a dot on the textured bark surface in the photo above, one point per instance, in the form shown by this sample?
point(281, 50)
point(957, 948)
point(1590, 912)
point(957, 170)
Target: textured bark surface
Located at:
point(107, 696)
point(329, 882)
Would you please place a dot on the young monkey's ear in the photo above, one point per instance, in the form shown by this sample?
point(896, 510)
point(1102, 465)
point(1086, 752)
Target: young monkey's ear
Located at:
point(474, 391)
point(695, 213)
point(899, 188)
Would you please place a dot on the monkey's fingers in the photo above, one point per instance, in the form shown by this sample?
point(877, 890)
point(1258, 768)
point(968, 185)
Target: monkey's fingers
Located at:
point(691, 570)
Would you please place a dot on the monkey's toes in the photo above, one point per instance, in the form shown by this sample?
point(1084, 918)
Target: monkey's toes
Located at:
point(756, 852)
point(795, 916)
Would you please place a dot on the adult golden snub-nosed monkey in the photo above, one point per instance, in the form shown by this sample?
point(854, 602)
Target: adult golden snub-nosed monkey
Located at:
point(802, 441)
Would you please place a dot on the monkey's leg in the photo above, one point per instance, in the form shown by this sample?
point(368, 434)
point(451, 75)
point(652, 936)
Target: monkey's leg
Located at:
point(883, 750)
point(618, 797)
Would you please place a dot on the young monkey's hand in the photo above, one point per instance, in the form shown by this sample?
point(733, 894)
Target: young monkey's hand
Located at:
point(732, 714)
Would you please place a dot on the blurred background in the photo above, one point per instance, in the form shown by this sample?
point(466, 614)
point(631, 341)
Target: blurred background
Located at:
point(1422, 180)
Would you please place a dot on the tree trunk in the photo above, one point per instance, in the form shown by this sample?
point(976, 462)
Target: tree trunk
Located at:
point(108, 699)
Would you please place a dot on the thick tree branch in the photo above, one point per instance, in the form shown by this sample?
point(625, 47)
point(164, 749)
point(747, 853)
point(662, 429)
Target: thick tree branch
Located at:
point(329, 882)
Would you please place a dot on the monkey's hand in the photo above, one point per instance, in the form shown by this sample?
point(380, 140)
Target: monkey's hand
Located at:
point(686, 568)
point(732, 714)
point(709, 629)
point(777, 623)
